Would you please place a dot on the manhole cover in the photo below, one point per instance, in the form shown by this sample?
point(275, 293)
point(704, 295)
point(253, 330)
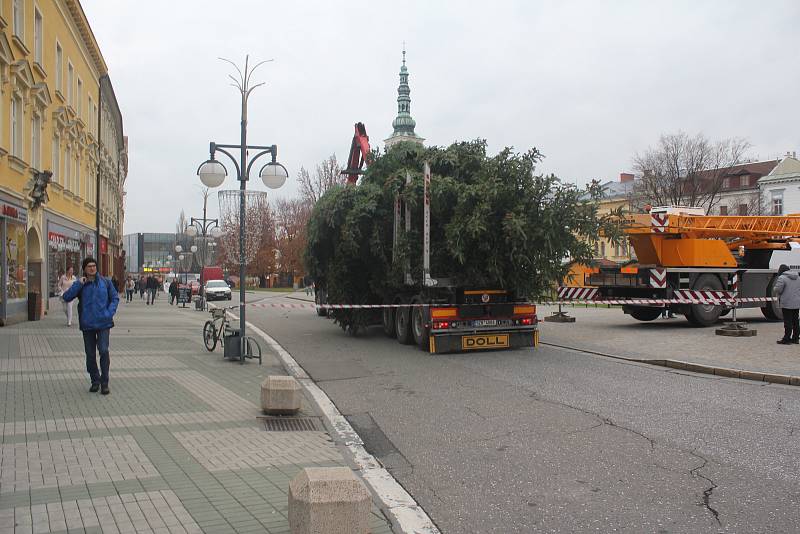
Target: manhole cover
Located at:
point(291, 424)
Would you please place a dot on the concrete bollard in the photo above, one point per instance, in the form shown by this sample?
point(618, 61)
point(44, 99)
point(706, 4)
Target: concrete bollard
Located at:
point(280, 395)
point(328, 500)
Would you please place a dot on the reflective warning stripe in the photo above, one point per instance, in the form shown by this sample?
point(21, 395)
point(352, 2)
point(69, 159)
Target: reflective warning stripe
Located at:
point(572, 292)
point(658, 278)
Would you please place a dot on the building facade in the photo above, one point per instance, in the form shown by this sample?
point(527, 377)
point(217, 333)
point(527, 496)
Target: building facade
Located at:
point(616, 194)
point(780, 189)
point(54, 140)
point(739, 193)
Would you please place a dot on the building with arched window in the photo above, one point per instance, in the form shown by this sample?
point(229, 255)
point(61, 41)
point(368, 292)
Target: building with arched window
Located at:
point(62, 152)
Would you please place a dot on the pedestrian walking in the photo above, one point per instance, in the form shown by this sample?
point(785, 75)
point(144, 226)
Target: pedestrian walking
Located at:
point(64, 283)
point(130, 285)
point(787, 289)
point(97, 304)
point(173, 292)
point(142, 287)
point(152, 288)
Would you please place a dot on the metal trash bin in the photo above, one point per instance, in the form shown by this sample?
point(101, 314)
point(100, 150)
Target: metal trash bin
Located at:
point(199, 303)
point(232, 343)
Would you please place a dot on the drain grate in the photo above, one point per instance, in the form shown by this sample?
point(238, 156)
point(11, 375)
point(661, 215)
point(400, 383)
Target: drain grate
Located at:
point(291, 424)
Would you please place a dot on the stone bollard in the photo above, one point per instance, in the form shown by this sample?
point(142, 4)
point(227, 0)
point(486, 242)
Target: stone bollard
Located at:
point(328, 500)
point(280, 395)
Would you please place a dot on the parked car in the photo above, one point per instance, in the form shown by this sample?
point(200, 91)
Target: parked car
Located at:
point(217, 290)
point(195, 286)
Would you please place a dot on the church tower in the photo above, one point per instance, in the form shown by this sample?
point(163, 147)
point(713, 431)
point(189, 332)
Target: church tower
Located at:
point(403, 124)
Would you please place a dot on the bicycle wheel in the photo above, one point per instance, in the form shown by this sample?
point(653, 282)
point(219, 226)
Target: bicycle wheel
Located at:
point(210, 336)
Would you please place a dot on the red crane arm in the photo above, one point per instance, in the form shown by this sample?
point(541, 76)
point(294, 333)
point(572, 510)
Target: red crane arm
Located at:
point(359, 154)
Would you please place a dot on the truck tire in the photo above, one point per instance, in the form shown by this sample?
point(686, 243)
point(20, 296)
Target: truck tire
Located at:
point(419, 330)
point(402, 325)
point(705, 314)
point(772, 311)
point(643, 313)
point(387, 321)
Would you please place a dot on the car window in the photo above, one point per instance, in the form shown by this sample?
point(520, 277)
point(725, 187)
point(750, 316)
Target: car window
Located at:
point(216, 283)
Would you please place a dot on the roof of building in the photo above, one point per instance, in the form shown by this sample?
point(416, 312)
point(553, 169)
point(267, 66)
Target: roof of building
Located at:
point(788, 169)
point(616, 189)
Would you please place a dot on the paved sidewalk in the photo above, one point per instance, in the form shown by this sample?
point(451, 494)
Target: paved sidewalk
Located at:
point(610, 331)
point(175, 448)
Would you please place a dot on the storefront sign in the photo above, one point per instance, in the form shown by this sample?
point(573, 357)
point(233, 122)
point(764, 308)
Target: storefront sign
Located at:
point(13, 212)
point(62, 243)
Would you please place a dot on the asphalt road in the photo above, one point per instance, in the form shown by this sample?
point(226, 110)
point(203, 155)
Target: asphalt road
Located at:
point(554, 440)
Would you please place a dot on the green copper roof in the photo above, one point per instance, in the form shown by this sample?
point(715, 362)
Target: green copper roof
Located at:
point(403, 124)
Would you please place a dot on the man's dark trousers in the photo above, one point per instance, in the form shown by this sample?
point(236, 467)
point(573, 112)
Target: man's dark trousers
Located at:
point(791, 324)
point(97, 341)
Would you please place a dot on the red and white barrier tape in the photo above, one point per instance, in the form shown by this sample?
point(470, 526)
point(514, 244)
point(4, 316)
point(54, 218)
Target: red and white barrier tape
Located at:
point(634, 302)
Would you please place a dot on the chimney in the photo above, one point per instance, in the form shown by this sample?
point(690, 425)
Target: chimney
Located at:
point(625, 177)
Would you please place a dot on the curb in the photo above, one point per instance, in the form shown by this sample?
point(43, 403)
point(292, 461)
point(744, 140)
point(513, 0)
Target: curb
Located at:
point(727, 372)
point(399, 505)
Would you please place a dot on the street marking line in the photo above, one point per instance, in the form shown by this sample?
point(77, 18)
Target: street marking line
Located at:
point(398, 503)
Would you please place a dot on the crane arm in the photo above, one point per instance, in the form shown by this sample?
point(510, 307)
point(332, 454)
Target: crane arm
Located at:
point(359, 154)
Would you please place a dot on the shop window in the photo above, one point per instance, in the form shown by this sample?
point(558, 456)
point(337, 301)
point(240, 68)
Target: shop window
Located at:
point(16, 268)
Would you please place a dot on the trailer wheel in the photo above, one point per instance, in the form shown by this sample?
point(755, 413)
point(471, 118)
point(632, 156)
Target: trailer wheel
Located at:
point(772, 311)
point(402, 327)
point(387, 321)
point(420, 332)
point(643, 313)
point(705, 314)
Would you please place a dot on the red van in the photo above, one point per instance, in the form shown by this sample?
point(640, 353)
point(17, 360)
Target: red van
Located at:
point(211, 273)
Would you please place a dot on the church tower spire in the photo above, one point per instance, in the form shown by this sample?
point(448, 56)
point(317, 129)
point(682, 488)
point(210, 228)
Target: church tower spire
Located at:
point(403, 125)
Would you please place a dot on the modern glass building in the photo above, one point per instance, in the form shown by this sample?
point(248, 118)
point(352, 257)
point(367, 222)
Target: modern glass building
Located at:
point(149, 252)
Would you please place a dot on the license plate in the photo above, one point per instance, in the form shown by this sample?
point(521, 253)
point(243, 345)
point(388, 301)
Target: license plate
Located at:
point(485, 322)
point(489, 341)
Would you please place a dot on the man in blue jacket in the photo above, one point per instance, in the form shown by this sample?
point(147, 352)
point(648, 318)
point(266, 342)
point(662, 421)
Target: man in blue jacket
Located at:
point(97, 304)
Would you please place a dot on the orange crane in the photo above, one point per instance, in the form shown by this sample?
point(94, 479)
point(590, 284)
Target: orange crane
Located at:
point(684, 254)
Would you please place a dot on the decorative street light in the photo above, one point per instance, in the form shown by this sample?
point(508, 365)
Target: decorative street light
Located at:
point(212, 173)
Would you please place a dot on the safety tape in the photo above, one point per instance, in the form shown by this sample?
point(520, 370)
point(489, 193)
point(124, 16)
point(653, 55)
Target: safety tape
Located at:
point(638, 302)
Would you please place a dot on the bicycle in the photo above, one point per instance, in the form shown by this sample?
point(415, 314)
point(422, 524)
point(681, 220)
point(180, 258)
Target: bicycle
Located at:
point(214, 330)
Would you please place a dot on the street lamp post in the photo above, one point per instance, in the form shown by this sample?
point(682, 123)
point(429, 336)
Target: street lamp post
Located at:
point(212, 173)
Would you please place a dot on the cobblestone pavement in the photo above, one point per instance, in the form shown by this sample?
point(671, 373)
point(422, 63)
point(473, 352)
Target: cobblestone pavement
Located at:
point(176, 447)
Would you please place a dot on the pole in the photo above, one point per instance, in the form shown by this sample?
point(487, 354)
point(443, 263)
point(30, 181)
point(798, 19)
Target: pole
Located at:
point(242, 222)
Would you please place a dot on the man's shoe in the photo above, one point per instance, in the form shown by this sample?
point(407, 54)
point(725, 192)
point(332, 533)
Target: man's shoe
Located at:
point(104, 390)
point(94, 388)
point(796, 341)
point(784, 342)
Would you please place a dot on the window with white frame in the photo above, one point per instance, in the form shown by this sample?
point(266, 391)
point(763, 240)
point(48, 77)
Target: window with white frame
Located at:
point(68, 169)
point(37, 36)
point(78, 173)
point(55, 159)
point(79, 103)
point(90, 107)
point(36, 142)
point(777, 202)
point(18, 19)
point(59, 67)
point(70, 81)
point(16, 126)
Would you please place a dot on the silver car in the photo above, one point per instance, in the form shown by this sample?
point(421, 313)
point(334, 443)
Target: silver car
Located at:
point(217, 290)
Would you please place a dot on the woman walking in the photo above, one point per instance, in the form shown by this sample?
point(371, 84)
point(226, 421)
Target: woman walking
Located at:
point(64, 283)
point(129, 287)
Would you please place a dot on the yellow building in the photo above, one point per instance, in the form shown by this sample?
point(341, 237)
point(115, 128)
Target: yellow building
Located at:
point(58, 115)
point(616, 194)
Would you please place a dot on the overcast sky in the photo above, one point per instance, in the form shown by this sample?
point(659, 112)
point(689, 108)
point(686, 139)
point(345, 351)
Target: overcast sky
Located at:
point(589, 83)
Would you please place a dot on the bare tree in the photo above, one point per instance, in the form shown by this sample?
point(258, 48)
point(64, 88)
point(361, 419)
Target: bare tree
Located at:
point(326, 175)
point(291, 219)
point(258, 225)
point(683, 170)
